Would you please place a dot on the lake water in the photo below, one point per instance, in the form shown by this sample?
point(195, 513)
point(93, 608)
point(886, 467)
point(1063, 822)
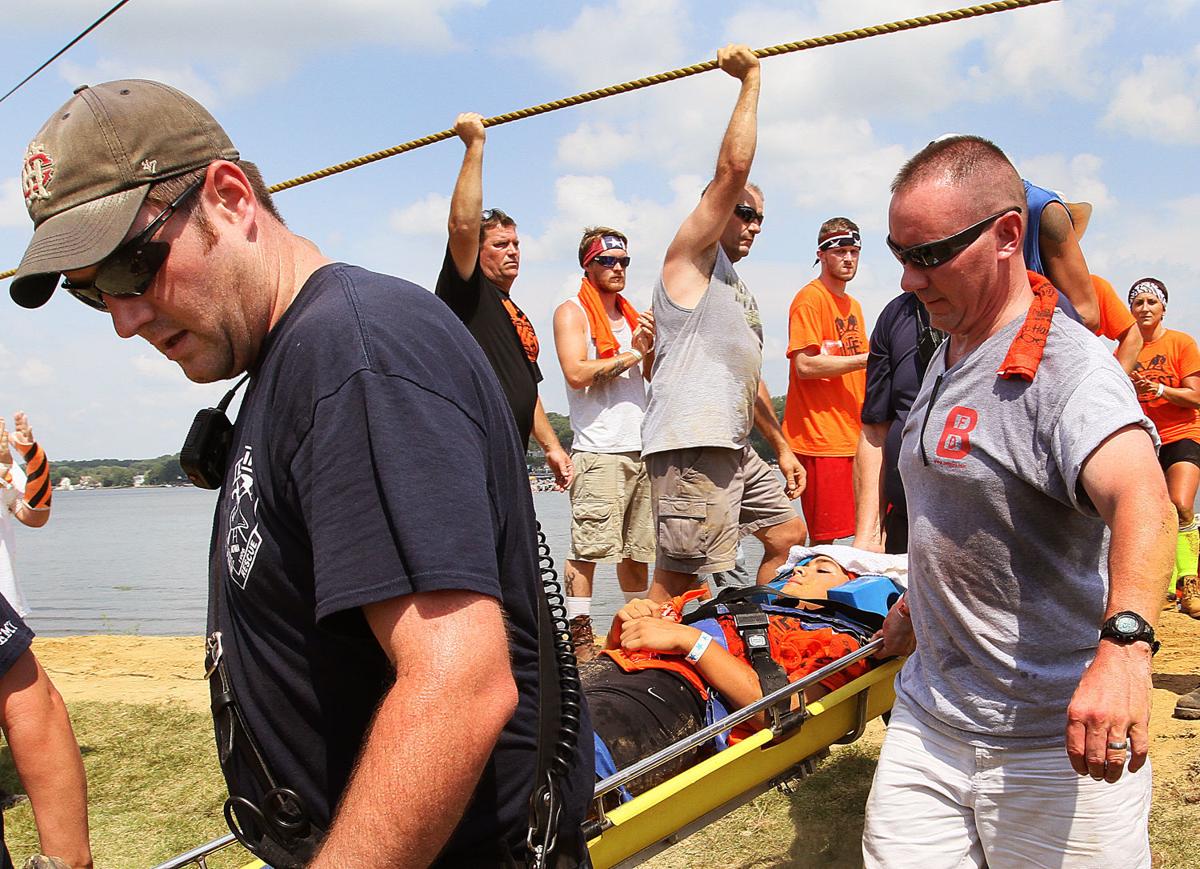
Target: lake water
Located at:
point(128, 561)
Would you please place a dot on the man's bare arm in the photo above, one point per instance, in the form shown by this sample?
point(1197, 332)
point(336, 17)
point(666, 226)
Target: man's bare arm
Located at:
point(452, 663)
point(46, 755)
point(868, 486)
point(1112, 702)
point(811, 364)
point(571, 340)
point(466, 205)
point(690, 256)
point(1128, 348)
point(794, 476)
point(556, 457)
point(1065, 265)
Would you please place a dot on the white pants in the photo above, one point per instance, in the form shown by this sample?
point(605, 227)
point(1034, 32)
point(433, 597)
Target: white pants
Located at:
point(938, 803)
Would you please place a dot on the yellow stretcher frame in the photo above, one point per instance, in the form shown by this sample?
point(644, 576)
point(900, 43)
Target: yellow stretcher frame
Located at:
point(655, 820)
point(668, 813)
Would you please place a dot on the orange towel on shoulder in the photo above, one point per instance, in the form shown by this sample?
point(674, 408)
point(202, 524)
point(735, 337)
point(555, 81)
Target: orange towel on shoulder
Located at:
point(601, 329)
point(1025, 353)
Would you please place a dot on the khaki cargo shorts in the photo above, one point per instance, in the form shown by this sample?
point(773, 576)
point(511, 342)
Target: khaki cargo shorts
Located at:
point(610, 509)
point(705, 498)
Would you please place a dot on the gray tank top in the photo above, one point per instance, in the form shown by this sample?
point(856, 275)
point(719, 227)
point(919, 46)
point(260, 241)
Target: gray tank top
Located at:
point(707, 362)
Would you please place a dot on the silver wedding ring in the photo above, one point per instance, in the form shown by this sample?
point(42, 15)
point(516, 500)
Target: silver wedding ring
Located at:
point(1118, 746)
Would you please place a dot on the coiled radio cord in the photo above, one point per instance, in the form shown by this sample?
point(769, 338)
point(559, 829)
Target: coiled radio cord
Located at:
point(546, 803)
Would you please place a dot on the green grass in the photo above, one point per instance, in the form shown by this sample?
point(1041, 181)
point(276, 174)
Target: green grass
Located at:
point(154, 787)
point(155, 791)
point(818, 824)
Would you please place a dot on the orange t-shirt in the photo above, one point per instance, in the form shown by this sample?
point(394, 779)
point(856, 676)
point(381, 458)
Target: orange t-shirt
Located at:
point(823, 417)
point(1168, 360)
point(1114, 314)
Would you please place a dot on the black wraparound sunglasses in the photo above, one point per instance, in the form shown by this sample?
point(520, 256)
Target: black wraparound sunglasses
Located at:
point(130, 269)
point(748, 214)
point(934, 253)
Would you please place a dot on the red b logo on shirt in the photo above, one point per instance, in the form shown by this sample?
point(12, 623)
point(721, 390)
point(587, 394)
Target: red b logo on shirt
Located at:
point(955, 439)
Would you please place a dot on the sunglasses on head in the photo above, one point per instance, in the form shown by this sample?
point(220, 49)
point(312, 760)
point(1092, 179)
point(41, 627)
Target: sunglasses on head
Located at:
point(934, 253)
point(748, 214)
point(130, 269)
point(610, 261)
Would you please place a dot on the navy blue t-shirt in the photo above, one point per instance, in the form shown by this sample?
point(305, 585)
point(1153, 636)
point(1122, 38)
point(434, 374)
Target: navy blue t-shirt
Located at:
point(893, 379)
point(374, 456)
point(15, 640)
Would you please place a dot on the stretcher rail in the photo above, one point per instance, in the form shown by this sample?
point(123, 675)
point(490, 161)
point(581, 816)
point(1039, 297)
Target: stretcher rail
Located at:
point(198, 855)
point(625, 776)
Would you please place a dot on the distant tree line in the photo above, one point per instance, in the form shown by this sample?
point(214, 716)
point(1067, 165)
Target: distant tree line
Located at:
point(163, 470)
point(562, 428)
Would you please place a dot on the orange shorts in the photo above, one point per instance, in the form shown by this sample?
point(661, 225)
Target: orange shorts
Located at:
point(828, 497)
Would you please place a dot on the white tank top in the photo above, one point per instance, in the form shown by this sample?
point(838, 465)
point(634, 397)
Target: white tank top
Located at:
point(608, 418)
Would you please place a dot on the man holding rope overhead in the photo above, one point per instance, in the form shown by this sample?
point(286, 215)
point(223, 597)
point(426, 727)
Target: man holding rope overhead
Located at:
point(707, 482)
point(1020, 729)
point(373, 647)
point(483, 258)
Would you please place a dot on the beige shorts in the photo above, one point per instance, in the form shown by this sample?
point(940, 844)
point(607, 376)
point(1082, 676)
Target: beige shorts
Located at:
point(705, 498)
point(610, 509)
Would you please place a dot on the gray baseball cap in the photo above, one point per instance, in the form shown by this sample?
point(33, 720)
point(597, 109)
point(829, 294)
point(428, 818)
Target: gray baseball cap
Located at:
point(87, 171)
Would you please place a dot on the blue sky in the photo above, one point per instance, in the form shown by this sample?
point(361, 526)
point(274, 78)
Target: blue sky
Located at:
point(1096, 99)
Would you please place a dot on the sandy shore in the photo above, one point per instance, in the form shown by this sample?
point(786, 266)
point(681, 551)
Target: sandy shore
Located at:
point(128, 669)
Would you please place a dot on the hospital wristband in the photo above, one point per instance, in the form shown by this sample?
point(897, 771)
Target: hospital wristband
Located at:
point(698, 649)
point(637, 354)
point(1159, 391)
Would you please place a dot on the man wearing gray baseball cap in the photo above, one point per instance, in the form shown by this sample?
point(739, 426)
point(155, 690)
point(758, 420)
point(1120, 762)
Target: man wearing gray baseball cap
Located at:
point(351, 621)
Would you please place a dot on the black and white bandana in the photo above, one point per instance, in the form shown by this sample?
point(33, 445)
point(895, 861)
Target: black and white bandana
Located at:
point(1149, 286)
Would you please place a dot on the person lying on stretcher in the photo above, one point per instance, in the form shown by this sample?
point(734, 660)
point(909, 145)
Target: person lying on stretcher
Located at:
point(646, 692)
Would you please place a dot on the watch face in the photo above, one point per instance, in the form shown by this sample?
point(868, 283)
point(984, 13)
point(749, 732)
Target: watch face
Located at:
point(1126, 624)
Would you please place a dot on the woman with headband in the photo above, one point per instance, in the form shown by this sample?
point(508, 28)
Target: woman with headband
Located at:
point(1167, 377)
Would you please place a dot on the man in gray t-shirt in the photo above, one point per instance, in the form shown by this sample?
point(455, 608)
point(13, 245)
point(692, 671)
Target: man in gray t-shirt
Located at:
point(707, 484)
point(1039, 538)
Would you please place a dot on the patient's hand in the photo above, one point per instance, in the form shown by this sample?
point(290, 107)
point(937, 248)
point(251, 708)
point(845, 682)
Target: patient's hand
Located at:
point(657, 634)
point(638, 608)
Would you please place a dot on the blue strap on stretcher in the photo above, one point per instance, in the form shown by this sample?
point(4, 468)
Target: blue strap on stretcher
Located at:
point(715, 709)
point(606, 766)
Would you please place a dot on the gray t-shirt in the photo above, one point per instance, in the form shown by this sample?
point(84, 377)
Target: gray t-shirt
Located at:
point(1007, 558)
point(707, 362)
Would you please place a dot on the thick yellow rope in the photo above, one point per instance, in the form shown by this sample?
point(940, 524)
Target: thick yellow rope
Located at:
point(684, 72)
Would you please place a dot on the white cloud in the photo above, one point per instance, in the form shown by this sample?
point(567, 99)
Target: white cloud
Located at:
point(1051, 48)
point(1079, 178)
point(35, 372)
point(424, 217)
point(264, 45)
point(157, 367)
point(1158, 102)
point(595, 147)
point(12, 205)
point(829, 164)
point(624, 40)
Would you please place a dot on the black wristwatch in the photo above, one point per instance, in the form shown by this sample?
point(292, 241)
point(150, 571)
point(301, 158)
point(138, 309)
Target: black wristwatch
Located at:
point(1128, 627)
